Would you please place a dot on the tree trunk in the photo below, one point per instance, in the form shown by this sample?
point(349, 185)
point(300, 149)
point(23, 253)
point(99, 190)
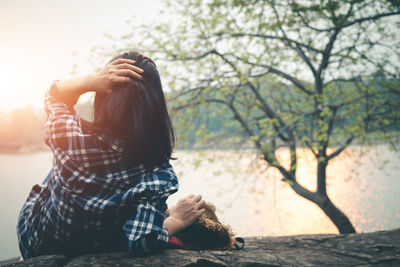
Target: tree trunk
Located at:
point(321, 199)
point(340, 220)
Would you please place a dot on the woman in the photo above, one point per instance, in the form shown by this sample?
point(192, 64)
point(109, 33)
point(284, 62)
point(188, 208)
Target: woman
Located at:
point(110, 179)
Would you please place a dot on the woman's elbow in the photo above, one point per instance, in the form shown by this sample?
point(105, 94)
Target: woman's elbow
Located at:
point(148, 244)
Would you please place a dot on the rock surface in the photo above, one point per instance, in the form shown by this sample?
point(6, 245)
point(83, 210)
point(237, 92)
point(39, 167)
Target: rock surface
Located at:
point(378, 248)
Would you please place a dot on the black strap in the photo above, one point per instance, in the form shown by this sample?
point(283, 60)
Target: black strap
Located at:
point(239, 244)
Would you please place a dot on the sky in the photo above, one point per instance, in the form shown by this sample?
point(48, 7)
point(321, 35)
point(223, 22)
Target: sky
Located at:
point(41, 40)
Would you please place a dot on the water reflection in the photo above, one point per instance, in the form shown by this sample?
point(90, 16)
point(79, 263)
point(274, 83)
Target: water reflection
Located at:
point(252, 199)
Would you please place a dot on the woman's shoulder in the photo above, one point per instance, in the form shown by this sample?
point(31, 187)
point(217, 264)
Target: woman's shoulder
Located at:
point(103, 137)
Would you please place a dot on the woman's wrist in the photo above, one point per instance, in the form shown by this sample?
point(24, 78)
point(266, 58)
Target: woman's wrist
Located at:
point(88, 83)
point(173, 225)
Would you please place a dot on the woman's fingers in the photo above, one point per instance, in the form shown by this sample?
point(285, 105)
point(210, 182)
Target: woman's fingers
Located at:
point(197, 198)
point(202, 204)
point(125, 67)
point(188, 209)
point(122, 80)
point(122, 60)
point(128, 73)
point(129, 66)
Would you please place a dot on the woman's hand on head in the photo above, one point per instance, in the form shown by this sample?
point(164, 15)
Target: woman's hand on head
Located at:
point(114, 75)
point(187, 210)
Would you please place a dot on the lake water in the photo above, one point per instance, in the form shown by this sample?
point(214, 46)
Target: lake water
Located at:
point(248, 196)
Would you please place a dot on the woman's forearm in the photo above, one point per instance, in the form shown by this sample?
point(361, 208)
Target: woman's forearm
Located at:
point(69, 90)
point(173, 225)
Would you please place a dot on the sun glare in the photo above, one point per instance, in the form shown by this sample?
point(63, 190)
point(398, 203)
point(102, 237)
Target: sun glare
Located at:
point(8, 87)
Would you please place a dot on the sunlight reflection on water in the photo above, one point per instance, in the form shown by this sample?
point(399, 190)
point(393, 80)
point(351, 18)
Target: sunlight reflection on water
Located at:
point(254, 201)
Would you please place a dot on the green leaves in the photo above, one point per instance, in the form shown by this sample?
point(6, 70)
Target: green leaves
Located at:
point(254, 138)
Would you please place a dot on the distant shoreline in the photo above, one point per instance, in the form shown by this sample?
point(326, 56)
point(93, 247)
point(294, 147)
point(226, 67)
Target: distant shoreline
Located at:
point(42, 148)
point(24, 150)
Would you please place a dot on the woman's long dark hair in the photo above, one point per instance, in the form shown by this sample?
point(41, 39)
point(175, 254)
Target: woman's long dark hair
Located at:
point(138, 115)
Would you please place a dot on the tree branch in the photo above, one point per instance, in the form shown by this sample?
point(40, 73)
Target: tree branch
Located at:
point(265, 107)
point(341, 148)
point(278, 72)
point(356, 21)
point(325, 60)
point(272, 37)
point(297, 47)
point(375, 17)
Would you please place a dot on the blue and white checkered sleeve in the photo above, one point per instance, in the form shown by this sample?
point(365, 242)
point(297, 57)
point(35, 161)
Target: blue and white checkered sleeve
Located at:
point(63, 131)
point(145, 229)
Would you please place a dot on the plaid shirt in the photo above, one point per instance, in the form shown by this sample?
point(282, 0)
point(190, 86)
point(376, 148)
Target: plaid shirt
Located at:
point(92, 202)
